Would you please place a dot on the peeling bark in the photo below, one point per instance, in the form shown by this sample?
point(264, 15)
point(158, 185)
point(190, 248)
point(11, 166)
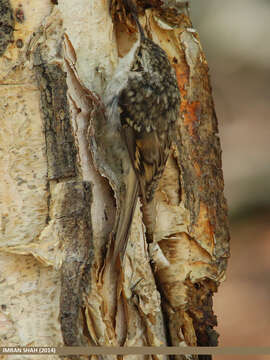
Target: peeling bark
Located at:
point(194, 237)
point(70, 200)
point(67, 175)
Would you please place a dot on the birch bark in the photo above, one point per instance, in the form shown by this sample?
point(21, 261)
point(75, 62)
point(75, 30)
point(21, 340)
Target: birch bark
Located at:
point(64, 178)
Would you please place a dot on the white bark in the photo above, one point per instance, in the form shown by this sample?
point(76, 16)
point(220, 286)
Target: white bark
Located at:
point(61, 194)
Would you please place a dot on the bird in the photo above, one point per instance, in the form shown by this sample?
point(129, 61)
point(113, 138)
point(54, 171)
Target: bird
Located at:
point(147, 100)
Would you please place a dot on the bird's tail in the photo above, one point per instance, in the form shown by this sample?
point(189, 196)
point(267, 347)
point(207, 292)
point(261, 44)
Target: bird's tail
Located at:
point(127, 206)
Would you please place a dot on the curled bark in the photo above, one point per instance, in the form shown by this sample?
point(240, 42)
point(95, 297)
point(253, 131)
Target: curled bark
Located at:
point(162, 294)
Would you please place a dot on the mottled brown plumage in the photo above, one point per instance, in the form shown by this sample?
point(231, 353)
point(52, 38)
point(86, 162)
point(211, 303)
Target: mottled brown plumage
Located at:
point(149, 107)
point(145, 95)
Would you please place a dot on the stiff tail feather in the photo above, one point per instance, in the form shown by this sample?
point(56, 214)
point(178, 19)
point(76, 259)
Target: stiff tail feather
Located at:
point(127, 207)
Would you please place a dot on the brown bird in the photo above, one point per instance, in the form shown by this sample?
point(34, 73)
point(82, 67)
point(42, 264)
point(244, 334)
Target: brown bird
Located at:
point(148, 102)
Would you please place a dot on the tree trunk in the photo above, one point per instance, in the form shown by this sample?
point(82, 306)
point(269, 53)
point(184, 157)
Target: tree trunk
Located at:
point(66, 178)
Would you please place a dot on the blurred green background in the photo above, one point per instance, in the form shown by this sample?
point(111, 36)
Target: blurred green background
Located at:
point(235, 38)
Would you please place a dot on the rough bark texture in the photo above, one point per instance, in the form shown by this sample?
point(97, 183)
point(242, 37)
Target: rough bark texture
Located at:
point(195, 242)
point(66, 176)
point(6, 25)
point(60, 144)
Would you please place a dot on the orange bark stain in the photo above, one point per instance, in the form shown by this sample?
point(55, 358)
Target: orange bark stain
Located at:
point(197, 169)
point(191, 111)
point(191, 116)
point(182, 76)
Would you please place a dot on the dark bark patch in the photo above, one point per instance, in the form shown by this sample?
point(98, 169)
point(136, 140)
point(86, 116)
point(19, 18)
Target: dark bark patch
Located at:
point(200, 310)
point(60, 143)
point(19, 43)
point(75, 219)
point(6, 25)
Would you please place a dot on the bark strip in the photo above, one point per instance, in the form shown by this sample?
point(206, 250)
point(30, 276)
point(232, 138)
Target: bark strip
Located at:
point(75, 216)
point(60, 144)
